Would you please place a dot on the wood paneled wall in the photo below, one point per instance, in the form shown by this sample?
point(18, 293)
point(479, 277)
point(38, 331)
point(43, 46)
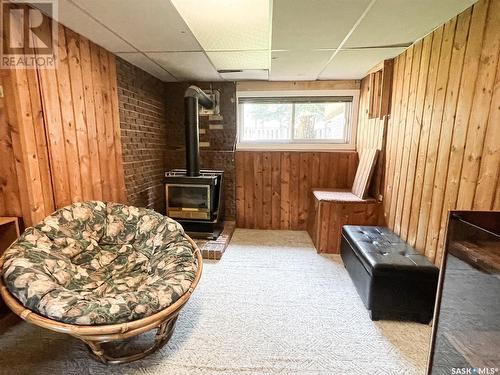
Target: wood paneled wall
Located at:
point(10, 203)
point(273, 188)
point(374, 109)
point(62, 142)
point(443, 149)
point(370, 130)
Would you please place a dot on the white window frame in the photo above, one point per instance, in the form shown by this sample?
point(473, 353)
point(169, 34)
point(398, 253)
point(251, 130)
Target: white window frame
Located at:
point(288, 145)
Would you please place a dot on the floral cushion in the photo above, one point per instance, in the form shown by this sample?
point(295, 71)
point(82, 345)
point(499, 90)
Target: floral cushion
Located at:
point(95, 263)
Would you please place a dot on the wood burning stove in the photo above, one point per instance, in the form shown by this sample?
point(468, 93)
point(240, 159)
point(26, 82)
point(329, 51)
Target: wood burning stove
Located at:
point(193, 196)
point(190, 200)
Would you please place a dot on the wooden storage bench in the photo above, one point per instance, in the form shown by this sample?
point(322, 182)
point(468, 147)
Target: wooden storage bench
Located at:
point(332, 209)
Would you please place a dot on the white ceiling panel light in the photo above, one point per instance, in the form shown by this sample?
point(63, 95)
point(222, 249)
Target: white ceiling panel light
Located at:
point(313, 24)
point(393, 22)
point(221, 25)
point(297, 65)
point(145, 63)
point(234, 60)
point(355, 64)
point(152, 25)
point(186, 65)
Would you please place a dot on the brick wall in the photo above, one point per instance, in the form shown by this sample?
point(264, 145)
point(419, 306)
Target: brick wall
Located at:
point(144, 133)
point(217, 136)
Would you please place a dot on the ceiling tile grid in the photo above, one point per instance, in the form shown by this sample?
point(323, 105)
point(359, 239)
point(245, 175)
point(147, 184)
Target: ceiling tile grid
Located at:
point(182, 40)
point(73, 17)
point(298, 65)
point(354, 64)
point(236, 60)
point(247, 75)
point(392, 22)
point(228, 25)
point(150, 25)
point(312, 24)
point(186, 65)
point(146, 64)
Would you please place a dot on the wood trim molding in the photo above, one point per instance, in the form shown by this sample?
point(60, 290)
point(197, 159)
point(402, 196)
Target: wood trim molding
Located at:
point(297, 85)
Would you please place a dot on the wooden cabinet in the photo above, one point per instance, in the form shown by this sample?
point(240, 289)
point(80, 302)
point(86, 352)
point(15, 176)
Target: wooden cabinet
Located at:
point(9, 232)
point(332, 209)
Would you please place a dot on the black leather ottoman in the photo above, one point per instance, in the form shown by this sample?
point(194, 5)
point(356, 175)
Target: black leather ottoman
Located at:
point(393, 279)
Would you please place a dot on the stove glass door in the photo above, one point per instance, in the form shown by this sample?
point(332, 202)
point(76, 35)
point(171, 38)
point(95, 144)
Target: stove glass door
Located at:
point(188, 201)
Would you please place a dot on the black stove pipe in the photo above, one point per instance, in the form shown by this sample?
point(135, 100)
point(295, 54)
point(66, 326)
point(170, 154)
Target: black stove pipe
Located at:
point(192, 97)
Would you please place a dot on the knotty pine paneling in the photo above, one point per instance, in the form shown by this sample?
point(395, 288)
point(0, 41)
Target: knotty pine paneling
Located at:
point(26, 128)
point(273, 188)
point(61, 139)
point(442, 149)
point(10, 202)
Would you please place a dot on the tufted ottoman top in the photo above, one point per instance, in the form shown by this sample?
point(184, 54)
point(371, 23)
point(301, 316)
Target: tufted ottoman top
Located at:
point(379, 249)
point(95, 263)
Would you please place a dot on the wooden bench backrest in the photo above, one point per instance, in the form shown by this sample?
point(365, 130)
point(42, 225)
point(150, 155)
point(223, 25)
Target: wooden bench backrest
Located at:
point(367, 161)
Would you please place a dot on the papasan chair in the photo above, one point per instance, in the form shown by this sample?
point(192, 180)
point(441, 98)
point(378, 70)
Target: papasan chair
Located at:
point(102, 272)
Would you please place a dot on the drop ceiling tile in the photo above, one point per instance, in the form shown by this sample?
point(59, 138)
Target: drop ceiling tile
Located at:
point(186, 65)
point(247, 75)
point(297, 65)
point(72, 17)
point(354, 64)
point(390, 22)
point(311, 24)
point(228, 24)
point(240, 59)
point(152, 25)
point(146, 64)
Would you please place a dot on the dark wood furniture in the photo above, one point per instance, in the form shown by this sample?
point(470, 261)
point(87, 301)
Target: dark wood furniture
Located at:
point(393, 279)
point(466, 332)
point(9, 232)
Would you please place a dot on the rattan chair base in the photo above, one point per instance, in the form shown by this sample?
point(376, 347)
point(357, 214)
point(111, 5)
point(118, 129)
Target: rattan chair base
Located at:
point(95, 336)
point(163, 334)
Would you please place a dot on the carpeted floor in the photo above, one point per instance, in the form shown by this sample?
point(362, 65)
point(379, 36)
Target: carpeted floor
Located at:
point(270, 306)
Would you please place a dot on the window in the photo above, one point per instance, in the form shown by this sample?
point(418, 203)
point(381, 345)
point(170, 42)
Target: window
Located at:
point(268, 121)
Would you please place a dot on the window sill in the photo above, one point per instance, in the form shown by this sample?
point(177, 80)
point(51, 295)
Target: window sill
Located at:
point(295, 147)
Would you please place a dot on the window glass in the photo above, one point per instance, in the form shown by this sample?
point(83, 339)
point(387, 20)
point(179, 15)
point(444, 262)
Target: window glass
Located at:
point(294, 119)
point(266, 121)
point(321, 121)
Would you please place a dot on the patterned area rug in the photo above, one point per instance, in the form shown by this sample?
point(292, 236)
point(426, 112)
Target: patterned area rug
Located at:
point(270, 306)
